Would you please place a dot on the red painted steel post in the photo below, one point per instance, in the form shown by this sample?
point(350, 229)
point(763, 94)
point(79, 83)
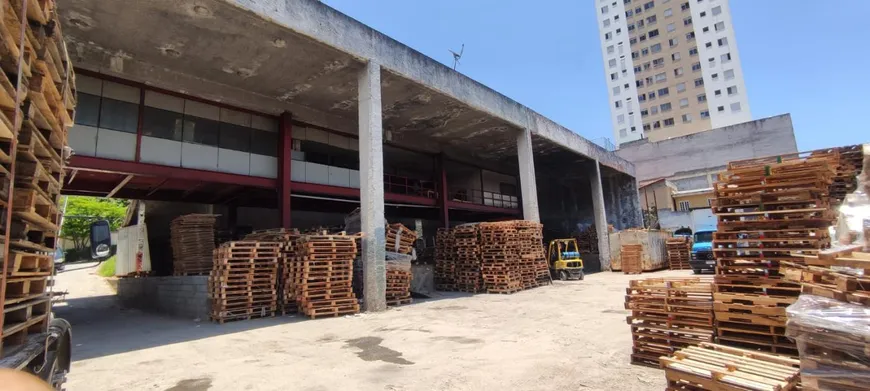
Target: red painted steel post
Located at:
point(442, 193)
point(285, 144)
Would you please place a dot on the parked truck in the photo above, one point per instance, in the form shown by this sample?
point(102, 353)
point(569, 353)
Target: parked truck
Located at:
point(702, 252)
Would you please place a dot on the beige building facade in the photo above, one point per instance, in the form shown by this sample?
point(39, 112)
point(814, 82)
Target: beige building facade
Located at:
point(672, 67)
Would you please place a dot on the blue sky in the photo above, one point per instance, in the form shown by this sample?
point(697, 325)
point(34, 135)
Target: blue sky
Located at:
point(806, 60)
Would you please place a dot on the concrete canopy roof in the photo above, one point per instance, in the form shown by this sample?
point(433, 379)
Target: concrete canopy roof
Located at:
point(303, 56)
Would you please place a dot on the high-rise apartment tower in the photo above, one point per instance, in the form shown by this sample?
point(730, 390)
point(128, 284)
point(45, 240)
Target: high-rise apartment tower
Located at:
point(672, 67)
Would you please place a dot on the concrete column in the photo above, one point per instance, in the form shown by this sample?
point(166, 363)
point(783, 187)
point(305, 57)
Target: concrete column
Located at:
point(600, 216)
point(528, 188)
point(442, 192)
point(371, 173)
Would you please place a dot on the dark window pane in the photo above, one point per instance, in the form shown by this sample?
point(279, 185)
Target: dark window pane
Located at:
point(201, 131)
point(88, 109)
point(162, 124)
point(264, 143)
point(346, 159)
point(507, 189)
point(119, 115)
point(235, 137)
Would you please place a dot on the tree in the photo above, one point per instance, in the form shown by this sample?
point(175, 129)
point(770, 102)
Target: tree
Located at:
point(82, 211)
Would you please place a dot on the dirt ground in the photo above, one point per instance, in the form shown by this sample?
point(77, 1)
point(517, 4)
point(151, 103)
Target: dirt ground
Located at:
point(569, 336)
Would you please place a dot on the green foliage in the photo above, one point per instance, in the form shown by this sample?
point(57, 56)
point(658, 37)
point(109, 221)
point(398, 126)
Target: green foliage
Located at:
point(107, 268)
point(82, 211)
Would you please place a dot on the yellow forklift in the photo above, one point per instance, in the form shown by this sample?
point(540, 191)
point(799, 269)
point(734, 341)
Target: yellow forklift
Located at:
point(564, 258)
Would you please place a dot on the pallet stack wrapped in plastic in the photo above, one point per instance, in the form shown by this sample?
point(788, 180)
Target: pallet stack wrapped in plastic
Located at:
point(192, 239)
point(500, 257)
point(243, 280)
point(324, 275)
point(668, 314)
point(467, 261)
point(445, 267)
point(831, 319)
point(37, 104)
point(769, 210)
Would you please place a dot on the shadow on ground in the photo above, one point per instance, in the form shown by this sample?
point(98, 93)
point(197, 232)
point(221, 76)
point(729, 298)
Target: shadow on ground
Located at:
point(101, 327)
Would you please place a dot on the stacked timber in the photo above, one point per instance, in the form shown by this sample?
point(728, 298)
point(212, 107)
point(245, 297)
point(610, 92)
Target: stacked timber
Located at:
point(324, 275)
point(467, 262)
point(831, 320)
point(243, 280)
point(286, 238)
point(668, 315)
point(769, 211)
point(500, 258)
point(192, 238)
point(679, 253)
point(400, 239)
point(445, 272)
point(723, 368)
point(587, 240)
point(632, 258)
point(37, 101)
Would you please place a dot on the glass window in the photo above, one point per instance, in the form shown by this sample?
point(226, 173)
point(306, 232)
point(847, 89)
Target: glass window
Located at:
point(265, 143)
point(235, 137)
point(201, 131)
point(88, 110)
point(119, 115)
point(162, 123)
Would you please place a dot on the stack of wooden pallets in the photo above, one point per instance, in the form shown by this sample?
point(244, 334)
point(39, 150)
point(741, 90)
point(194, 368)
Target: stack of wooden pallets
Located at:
point(286, 238)
point(192, 238)
point(831, 321)
point(533, 262)
point(667, 315)
point(324, 275)
point(851, 160)
point(398, 286)
point(467, 262)
point(445, 279)
point(679, 253)
point(722, 368)
point(400, 239)
point(37, 102)
point(587, 240)
point(243, 280)
point(632, 258)
point(500, 257)
point(769, 210)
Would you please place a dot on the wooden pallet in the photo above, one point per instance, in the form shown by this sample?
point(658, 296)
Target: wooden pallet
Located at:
point(632, 258)
point(715, 367)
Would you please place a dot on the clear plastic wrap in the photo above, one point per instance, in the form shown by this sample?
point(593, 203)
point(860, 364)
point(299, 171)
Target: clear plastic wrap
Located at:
point(833, 340)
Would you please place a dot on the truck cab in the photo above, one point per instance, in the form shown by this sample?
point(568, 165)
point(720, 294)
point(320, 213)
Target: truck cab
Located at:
point(702, 252)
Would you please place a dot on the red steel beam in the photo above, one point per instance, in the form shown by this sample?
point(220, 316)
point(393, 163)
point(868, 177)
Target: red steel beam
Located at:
point(285, 146)
point(348, 192)
point(483, 208)
point(88, 163)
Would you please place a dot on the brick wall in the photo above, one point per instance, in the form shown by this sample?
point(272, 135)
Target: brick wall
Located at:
point(185, 296)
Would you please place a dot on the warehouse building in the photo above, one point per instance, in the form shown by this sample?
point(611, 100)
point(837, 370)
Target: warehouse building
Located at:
point(291, 114)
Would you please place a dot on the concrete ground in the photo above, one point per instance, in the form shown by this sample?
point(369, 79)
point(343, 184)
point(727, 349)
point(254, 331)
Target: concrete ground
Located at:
point(568, 336)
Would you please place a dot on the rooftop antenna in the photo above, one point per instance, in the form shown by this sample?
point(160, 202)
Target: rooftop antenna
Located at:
point(457, 56)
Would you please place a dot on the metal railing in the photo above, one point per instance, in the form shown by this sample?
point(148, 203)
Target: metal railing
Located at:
point(410, 186)
point(480, 197)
